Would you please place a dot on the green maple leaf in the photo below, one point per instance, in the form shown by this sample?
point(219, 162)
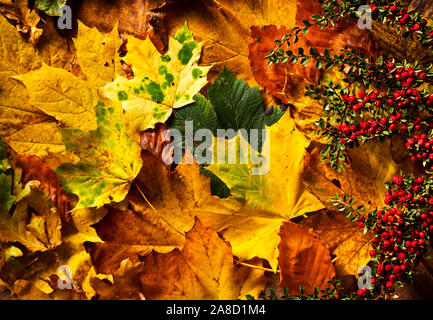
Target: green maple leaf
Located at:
point(237, 105)
point(202, 115)
point(109, 160)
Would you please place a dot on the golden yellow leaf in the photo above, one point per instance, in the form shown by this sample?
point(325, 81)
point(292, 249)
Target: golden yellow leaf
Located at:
point(62, 95)
point(98, 54)
point(268, 199)
point(363, 179)
point(24, 127)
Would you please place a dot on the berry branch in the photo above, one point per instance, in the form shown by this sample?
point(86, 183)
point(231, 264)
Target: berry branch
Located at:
point(380, 97)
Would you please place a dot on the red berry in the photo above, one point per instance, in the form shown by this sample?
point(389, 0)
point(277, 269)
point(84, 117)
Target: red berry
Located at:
point(415, 27)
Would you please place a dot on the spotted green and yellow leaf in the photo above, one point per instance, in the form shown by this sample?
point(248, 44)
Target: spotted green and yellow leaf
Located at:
point(161, 82)
point(109, 160)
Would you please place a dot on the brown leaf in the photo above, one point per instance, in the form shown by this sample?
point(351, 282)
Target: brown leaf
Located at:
point(203, 269)
point(136, 17)
point(285, 80)
point(304, 259)
point(34, 168)
point(55, 50)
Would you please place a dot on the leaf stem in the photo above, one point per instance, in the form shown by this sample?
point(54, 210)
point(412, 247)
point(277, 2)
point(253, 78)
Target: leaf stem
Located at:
point(256, 267)
point(144, 197)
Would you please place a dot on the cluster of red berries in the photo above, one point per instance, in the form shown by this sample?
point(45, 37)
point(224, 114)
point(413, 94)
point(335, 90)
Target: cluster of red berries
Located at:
point(398, 76)
point(407, 76)
point(420, 147)
point(372, 128)
point(402, 16)
point(402, 230)
point(353, 132)
point(404, 102)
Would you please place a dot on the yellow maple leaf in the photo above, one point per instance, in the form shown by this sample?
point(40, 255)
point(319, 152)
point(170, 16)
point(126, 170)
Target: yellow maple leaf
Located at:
point(24, 127)
point(268, 199)
point(62, 95)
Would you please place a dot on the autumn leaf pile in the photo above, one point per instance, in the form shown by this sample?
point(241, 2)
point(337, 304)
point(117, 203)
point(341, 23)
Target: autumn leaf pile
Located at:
point(83, 116)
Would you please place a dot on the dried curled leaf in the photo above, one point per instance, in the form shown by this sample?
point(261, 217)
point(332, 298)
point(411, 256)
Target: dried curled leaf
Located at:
point(26, 19)
point(34, 222)
point(36, 169)
point(363, 178)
